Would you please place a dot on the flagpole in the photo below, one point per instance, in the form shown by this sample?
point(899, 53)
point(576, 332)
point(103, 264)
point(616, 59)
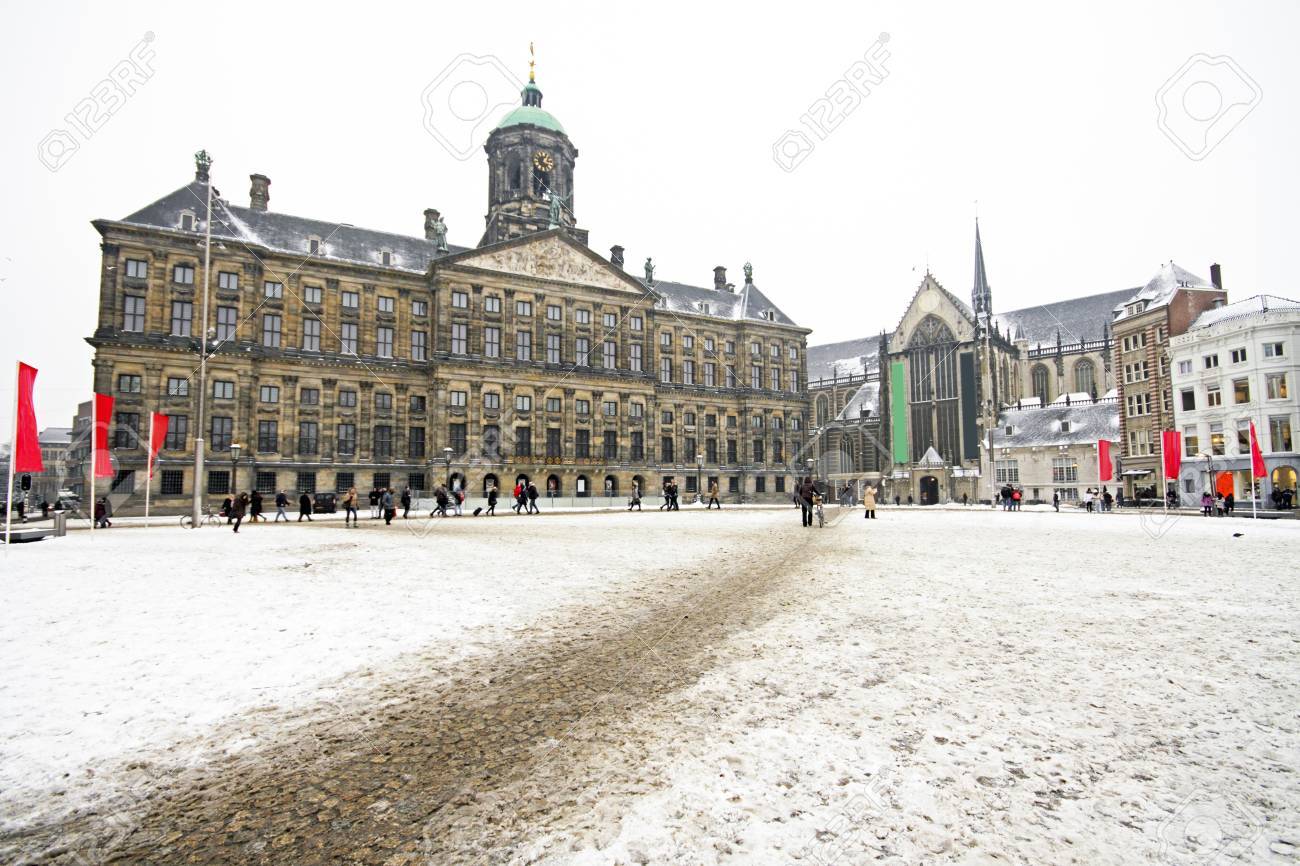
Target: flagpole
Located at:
point(13, 455)
point(148, 478)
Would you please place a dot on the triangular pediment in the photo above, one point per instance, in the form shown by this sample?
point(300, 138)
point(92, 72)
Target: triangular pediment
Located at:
point(548, 255)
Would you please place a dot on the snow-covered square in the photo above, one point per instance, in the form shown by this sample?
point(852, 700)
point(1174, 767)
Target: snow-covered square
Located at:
point(946, 686)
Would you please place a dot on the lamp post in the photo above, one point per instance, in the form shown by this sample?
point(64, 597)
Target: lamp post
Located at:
point(200, 486)
point(234, 468)
point(699, 469)
point(446, 459)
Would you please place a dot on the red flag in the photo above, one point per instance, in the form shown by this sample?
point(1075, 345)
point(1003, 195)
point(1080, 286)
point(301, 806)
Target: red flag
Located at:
point(159, 426)
point(103, 415)
point(1171, 449)
point(1104, 463)
point(27, 444)
point(1257, 467)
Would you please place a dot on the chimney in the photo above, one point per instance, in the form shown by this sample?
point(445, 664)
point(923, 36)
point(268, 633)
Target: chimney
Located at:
point(1216, 276)
point(720, 278)
point(260, 192)
point(616, 256)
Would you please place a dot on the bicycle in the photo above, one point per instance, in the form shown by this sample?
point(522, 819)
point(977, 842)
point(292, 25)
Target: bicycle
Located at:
point(821, 516)
point(208, 518)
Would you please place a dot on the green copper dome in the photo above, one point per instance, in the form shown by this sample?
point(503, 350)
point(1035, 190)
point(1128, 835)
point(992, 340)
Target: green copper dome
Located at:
point(532, 112)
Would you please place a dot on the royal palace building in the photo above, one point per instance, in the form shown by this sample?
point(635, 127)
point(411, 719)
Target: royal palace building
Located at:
point(344, 357)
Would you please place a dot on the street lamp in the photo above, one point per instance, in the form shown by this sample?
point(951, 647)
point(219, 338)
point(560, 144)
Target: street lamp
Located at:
point(699, 468)
point(446, 459)
point(205, 163)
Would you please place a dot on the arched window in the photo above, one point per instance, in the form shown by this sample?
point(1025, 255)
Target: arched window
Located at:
point(552, 485)
point(582, 487)
point(1039, 383)
point(490, 481)
point(611, 486)
point(1085, 377)
point(823, 410)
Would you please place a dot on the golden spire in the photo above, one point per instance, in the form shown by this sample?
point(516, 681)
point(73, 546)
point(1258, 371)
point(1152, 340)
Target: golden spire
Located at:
point(531, 62)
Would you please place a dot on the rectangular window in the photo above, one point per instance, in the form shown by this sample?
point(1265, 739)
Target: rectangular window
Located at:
point(552, 348)
point(272, 289)
point(420, 308)
point(383, 401)
point(688, 372)
point(491, 401)
point(523, 403)
point(524, 441)
point(666, 416)
point(491, 303)
point(344, 481)
point(523, 308)
point(610, 354)
point(760, 484)
point(1217, 445)
point(268, 394)
point(1007, 471)
point(1241, 391)
point(309, 397)
point(178, 386)
point(775, 379)
point(311, 335)
point(228, 281)
point(636, 323)
point(582, 407)
point(756, 377)
point(688, 341)
point(182, 318)
point(218, 481)
point(308, 437)
point(636, 410)
point(312, 294)
point(384, 342)
point(348, 338)
point(710, 374)
point(582, 351)
point(634, 357)
point(387, 304)
point(348, 399)
point(491, 441)
point(1213, 397)
point(1279, 433)
point(609, 408)
point(757, 452)
point(1184, 368)
point(227, 323)
point(223, 390)
point(459, 339)
point(415, 443)
point(582, 317)
point(1191, 441)
point(638, 446)
point(1275, 386)
point(306, 482)
point(137, 269)
point(265, 482)
point(132, 313)
point(173, 482)
point(183, 275)
point(126, 430)
point(460, 300)
point(222, 430)
point(731, 377)
point(1239, 356)
point(1243, 436)
point(582, 444)
point(1065, 470)
point(492, 342)
point(268, 436)
point(732, 451)
point(553, 442)
point(665, 369)
point(710, 450)
point(523, 345)
point(554, 404)
point(666, 340)
point(415, 481)
point(271, 330)
point(1273, 350)
point(666, 450)
point(554, 312)
point(129, 384)
point(610, 450)
point(351, 300)
point(1211, 361)
point(417, 403)
point(383, 442)
point(347, 439)
point(458, 399)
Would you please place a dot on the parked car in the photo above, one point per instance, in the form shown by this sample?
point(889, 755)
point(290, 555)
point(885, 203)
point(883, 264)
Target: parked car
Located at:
point(325, 503)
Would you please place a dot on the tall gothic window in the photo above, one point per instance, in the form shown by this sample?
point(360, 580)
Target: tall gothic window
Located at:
point(1085, 378)
point(932, 387)
point(1038, 379)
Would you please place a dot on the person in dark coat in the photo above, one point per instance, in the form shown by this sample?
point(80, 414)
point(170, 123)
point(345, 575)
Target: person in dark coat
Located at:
point(406, 503)
point(532, 495)
point(255, 508)
point(281, 503)
point(101, 515)
point(226, 505)
point(304, 507)
point(806, 492)
point(239, 509)
point(441, 498)
point(390, 509)
point(492, 500)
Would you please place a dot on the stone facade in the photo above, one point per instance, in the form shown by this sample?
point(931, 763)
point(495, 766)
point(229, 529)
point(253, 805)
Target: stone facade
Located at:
point(343, 357)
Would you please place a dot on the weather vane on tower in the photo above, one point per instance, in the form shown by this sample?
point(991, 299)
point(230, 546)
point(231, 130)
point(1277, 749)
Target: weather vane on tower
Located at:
point(532, 61)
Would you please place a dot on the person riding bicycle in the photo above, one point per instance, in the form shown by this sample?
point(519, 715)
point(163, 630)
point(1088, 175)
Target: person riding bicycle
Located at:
point(817, 508)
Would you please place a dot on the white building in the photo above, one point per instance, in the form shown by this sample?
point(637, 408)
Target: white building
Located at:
point(1052, 449)
point(1236, 364)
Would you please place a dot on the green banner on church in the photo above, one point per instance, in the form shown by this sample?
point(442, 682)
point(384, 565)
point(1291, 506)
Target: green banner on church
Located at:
point(898, 412)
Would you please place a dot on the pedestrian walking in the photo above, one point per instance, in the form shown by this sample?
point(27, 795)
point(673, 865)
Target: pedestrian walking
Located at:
point(227, 505)
point(897, 500)
point(634, 501)
point(1016, 496)
point(406, 502)
point(1207, 503)
point(807, 490)
point(492, 500)
point(713, 496)
point(390, 509)
point(869, 502)
point(281, 503)
point(532, 495)
point(1056, 502)
point(965, 499)
point(238, 509)
point(1087, 500)
point(1229, 503)
point(350, 507)
point(441, 501)
point(255, 508)
point(101, 515)
point(1106, 500)
point(520, 497)
point(304, 507)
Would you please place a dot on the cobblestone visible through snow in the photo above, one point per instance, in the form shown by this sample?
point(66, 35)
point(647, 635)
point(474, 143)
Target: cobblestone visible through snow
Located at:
point(949, 687)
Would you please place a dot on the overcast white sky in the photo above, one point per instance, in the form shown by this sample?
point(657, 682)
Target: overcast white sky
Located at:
point(1047, 118)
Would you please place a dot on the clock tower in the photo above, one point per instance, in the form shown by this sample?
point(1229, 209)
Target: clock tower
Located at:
point(530, 172)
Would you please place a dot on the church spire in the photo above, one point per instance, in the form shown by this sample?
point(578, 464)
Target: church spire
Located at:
point(981, 294)
point(532, 94)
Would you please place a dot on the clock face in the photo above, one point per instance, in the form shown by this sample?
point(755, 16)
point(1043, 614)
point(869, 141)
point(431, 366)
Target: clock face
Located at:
point(542, 161)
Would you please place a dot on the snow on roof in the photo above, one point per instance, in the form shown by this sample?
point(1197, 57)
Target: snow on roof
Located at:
point(1077, 318)
point(1071, 399)
point(1087, 421)
point(863, 403)
point(849, 358)
point(1256, 306)
point(748, 303)
point(55, 436)
point(1160, 290)
point(930, 458)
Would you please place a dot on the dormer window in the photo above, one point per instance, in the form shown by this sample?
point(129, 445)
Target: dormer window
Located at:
point(770, 315)
point(704, 307)
point(313, 245)
point(386, 257)
point(187, 221)
point(1009, 430)
point(1065, 426)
